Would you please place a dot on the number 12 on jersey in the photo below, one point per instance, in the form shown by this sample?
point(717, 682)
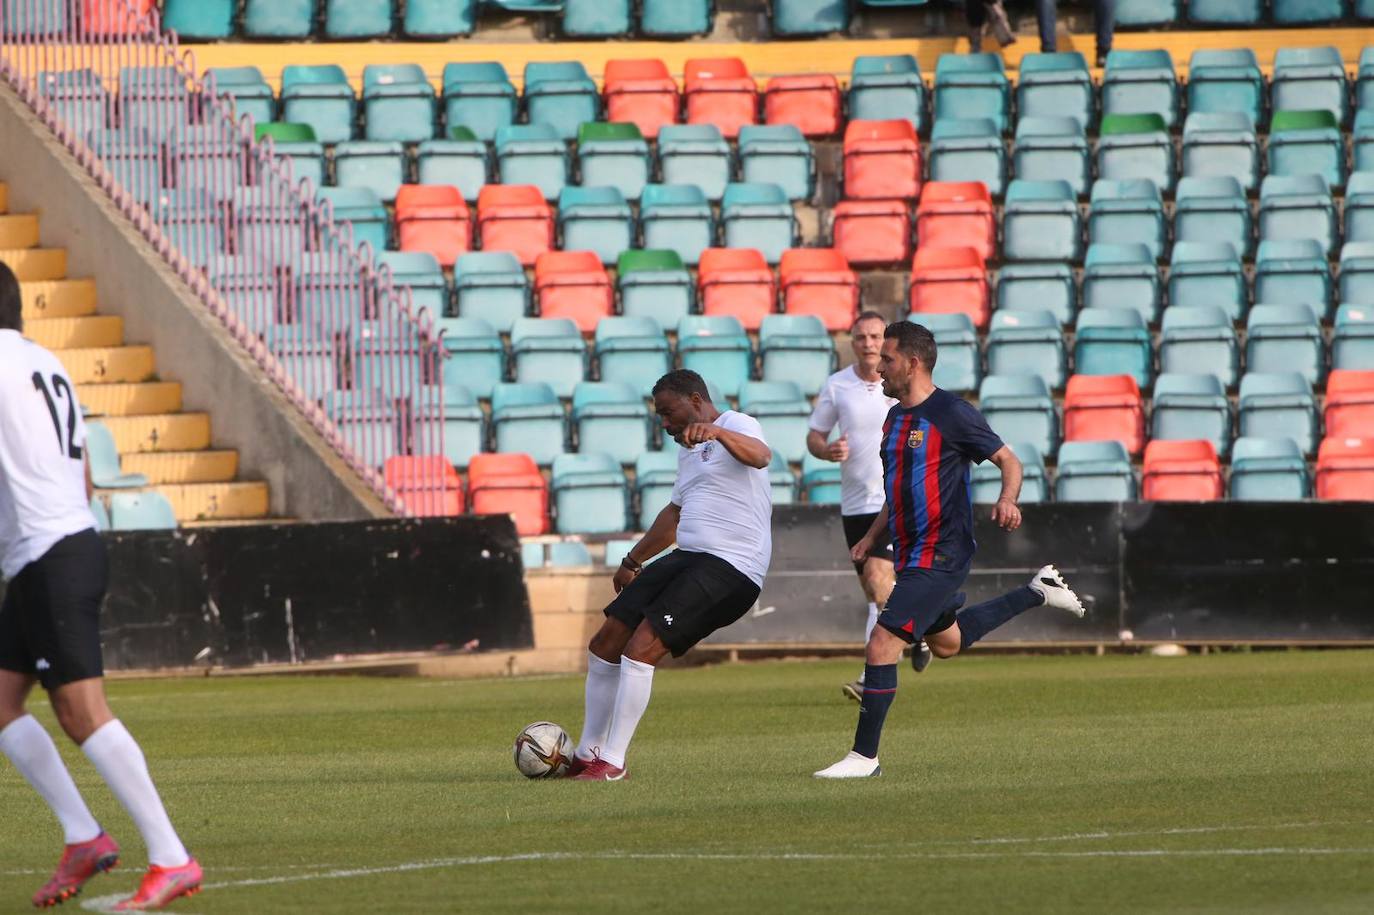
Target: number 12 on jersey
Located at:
point(60, 388)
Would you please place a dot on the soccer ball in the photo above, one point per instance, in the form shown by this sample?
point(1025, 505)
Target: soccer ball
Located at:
point(543, 750)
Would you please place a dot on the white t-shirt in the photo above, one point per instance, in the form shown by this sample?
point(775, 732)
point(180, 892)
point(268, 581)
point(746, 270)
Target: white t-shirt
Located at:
point(860, 408)
point(727, 506)
point(42, 454)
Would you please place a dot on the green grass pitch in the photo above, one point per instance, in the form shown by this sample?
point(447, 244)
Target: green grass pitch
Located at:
point(1225, 783)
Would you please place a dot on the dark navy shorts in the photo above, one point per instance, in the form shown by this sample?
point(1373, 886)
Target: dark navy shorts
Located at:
point(923, 602)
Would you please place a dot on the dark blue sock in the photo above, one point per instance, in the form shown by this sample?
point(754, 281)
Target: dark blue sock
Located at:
point(880, 688)
point(980, 619)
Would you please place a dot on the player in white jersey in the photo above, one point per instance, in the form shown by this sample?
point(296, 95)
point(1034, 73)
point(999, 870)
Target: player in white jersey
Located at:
point(55, 569)
point(853, 399)
point(720, 514)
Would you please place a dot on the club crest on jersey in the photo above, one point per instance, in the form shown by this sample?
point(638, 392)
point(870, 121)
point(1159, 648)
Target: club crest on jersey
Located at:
point(915, 439)
point(706, 451)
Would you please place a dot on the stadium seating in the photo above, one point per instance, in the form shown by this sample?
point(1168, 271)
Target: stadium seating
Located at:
point(278, 18)
point(959, 368)
point(716, 347)
point(720, 91)
point(812, 104)
point(243, 86)
point(308, 354)
point(532, 154)
point(1122, 276)
point(1345, 469)
point(1362, 138)
point(972, 86)
point(986, 481)
point(1136, 146)
point(1207, 273)
point(589, 494)
point(632, 350)
point(950, 279)
point(1188, 407)
point(1141, 82)
point(818, 281)
point(1278, 405)
point(1181, 471)
point(480, 97)
point(1221, 143)
point(103, 459)
point(1019, 409)
point(781, 482)
point(427, 484)
point(1285, 338)
point(398, 103)
point(676, 18)
point(1128, 212)
point(133, 157)
point(758, 216)
point(610, 418)
point(527, 417)
point(1041, 222)
point(1113, 341)
point(1307, 142)
point(548, 350)
point(465, 425)
point(809, 17)
point(596, 219)
point(654, 283)
point(1199, 338)
point(640, 92)
point(882, 160)
point(1352, 343)
point(956, 214)
point(510, 484)
point(1359, 207)
point(1357, 272)
point(1026, 343)
point(321, 97)
point(434, 219)
point(1102, 407)
point(1094, 471)
point(968, 149)
point(655, 476)
point(200, 19)
point(614, 156)
point(1226, 12)
point(696, 154)
point(887, 88)
point(1310, 79)
point(596, 18)
point(871, 233)
point(736, 282)
point(1053, 149)
point(1055, 85)
point(573, 284)
point(1268, 470)
point(820, 480)
point(147, 510)
point(777, 154)
point(376, 165)
point(1226, 80)
point(491, 285)
point(1037, 286)
point(1349, 409)
point(1296, 207)
point(515, 218)
point(677, 218)
point(362, 210)
point(430, 19)
point(796, 349)
point(1214, 209)
point(367, 419)
point(561, 95)
point(782, 411)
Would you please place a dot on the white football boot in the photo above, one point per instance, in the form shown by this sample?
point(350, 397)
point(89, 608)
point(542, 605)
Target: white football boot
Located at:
point(853, 765)
point(1049, 584)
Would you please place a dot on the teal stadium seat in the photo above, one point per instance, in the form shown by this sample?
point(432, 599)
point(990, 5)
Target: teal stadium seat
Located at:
point(596, 219)
point(308, 355)
point(473, 354)
point(100, 513)
point(676, 18)
point(1053, 149)
point(1307, 143)
point(1094, 472)
point(1352, 342)
point(1113, 341)
point(1136, 146)
point(200, 20)
point(465, 425)
point(79, 97)
point(1199, 338)
point(321, 97)
point(246, 89)
point(758, 215)
point(1294, 207)
point(820, 480)
point(1310, 79)
point(480, 97)
point(717, 348)
point(1122, 276)
point(528, 418)
point(492, 286)
point(568, 554)
point(968, 149)
point(532, 154)
point(1357, 273)
point(1141, 82)
point(777, 154)
point(987, 477)
point(960, 367)
point(354, 19)
point(1279, 405)
point(1303, 12)
point(810, 17)
point(141, 511)
point(1027, 343)
point(1211, 210)
point(596, 18)
point(655, 476)
point(1148, 12)
point(1364, 75)
point(1226, 80)
point(1041, 223)
point(1126, 212)
point(377, 165)
point(528, 6)
point(548, 350)
point(1285, 338)
point(972, 86)
point(132, 156)
point(306, 155)
point(589, 494)
point(430, 19)
point(614, 156)
point(798, 350)
point(103, 458)
point(362, 209)
point(1226, 12)
point(1056, 85)
point(1189, 407)
point(1269, 470)
point(677, 218)
point(367, 421)
point(253, 296)
point(562, 95)
point(1019, 409)
point(1221, 143)
point(632, 351)
point(782, 411)
point(278, 18)
point(1037, 286)
point(781, 481)
point(462, 161)
point(610, 418)
point(398, 103)
point(695, 154)
point(887, 89)
point(1362, 143)
point(1293, 273)
point(1208, 273)
point(654, 284)
point(152, 97)
point(1359, 207)
point(420, 272)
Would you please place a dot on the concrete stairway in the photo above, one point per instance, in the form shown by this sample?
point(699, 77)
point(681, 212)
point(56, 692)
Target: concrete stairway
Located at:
point(117, 385)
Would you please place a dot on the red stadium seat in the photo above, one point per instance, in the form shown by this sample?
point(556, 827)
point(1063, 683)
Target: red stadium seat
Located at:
point(818, 281)
point(720, 91)
point(1345, 469)
point(640, 92)
point(515, 218)
point(945, 280)
point(872, 233)
point(427, 484)
point(812, 104)
point(112, 17)
point(574, 284)
point(1350, 404)
point(956, 213)
point(433, 218)
point(1104, 408)
point(882, 160)
point(510, 484)
point(1181, 471)
point(736, 282)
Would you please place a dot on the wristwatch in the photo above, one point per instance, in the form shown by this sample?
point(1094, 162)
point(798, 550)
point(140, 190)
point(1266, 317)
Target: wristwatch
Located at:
point(630, 564)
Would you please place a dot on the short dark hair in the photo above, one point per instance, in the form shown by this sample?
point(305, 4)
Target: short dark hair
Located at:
point(11, 301)
point(913, 340)
point(684, 383)
point(869, 315)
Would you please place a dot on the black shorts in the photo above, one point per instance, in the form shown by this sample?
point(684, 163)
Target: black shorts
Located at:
point(50, 620)
point(923, 602)
point(855, 526)
point(685, 597)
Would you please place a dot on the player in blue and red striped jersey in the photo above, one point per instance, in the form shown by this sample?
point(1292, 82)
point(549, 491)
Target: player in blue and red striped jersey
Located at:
point(930, 441)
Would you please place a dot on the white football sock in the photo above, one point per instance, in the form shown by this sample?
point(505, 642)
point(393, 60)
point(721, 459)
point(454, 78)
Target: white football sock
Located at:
point(873, 612)
point(603, 679)
point(120, 762)
point(34, 754)
point(636, 683)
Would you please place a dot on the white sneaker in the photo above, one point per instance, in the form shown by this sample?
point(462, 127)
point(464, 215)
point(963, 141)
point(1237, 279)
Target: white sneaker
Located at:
point(852, 766)
point(1049, 584)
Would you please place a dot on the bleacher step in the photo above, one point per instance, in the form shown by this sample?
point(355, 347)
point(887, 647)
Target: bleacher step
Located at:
point(36, 263)
point(212, 501)
point(179, 467)
point(134, 399)
point(108, 364)
point(19, 231)
point(76, 333)
point(169, 432)
point(58, 299)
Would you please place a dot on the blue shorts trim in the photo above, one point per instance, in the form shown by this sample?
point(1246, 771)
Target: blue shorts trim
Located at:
point(923, 600)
